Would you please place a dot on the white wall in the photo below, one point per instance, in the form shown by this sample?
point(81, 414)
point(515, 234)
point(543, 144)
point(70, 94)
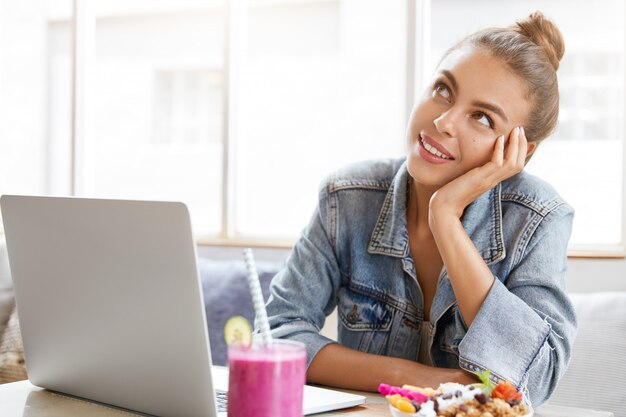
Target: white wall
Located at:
point(591, 275)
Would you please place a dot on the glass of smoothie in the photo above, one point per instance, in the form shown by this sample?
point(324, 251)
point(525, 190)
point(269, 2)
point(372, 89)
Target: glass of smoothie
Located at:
point(266, 381)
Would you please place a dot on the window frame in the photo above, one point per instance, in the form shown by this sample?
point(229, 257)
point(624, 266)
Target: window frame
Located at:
point(82, 110)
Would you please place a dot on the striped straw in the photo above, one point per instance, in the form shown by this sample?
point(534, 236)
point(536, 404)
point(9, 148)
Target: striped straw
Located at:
point(257, 298)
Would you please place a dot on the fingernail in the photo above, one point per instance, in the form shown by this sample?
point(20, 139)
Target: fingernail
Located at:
point(521, 128)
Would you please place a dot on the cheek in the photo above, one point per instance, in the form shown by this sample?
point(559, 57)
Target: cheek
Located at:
point(478, 151)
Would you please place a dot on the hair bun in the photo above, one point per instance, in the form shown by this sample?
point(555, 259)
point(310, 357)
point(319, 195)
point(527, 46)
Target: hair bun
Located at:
point(545, 34)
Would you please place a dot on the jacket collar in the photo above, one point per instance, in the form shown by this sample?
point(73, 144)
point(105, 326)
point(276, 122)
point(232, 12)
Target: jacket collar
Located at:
point(482, 221)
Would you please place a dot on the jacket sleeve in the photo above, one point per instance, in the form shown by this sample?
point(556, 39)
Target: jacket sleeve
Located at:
point(304, 292)
point(526, 326)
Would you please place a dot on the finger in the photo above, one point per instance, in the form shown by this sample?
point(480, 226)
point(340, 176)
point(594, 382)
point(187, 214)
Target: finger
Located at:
point(498, 152)
point(512, 150)
point(523, 149)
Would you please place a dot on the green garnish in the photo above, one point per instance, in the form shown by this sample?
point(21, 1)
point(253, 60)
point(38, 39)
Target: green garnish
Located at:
point(238, 332)
point(488, 384)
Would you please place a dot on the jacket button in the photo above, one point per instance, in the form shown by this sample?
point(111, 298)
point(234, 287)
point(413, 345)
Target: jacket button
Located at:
point(353, 316)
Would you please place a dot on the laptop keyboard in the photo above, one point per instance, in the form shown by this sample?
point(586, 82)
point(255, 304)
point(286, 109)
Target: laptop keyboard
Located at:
point(222, 400)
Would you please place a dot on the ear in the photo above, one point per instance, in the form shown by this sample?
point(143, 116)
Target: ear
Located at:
point(532, 146)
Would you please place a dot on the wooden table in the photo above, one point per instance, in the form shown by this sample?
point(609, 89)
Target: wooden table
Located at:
point(22, 399)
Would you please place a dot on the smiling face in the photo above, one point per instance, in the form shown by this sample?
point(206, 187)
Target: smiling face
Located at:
point(473, 99)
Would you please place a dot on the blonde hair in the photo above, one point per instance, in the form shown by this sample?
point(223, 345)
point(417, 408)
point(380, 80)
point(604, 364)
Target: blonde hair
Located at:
point(532, 48)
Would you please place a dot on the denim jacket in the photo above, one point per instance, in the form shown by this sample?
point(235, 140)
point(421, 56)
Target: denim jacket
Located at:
point(354, 256)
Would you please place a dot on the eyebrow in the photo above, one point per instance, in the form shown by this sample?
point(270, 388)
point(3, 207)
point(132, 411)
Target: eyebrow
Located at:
point(448, 74)
point(492, 107)
point(497, 110)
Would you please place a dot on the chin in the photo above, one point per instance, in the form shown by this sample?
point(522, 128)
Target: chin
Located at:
point(422, 175)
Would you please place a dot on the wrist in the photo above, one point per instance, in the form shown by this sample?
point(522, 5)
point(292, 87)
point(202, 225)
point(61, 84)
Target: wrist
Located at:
point(402, 371)
point(440, 209)
point(464, 377)
point(442, 221)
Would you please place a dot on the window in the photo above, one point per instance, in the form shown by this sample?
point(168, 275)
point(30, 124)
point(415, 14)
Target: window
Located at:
point(35, 96)
point(239, 108)
point(157, 104)
point(240, 127)
point(318, 87)
point(187, 106)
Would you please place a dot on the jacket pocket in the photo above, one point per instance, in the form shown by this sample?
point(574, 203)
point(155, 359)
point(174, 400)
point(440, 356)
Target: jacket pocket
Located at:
point(364, 321)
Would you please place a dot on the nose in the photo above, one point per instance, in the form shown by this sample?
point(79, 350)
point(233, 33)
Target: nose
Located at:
point(446, 123)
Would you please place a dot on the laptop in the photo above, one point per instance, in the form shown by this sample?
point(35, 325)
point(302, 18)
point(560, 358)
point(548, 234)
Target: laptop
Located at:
point(111, 308)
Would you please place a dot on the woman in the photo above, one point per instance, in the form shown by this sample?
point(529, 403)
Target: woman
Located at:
point(453, 260)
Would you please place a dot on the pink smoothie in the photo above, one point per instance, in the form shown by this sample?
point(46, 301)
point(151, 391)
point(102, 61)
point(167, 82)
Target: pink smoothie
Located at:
point(266, 382)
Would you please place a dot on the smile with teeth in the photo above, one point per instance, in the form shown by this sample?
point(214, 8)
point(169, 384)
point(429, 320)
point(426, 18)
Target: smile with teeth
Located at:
point(433, 150)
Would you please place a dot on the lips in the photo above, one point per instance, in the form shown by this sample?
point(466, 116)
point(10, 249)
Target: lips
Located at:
point(434, 148)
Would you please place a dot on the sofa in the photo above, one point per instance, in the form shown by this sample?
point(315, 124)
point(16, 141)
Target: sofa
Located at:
point(11, 351)
point(226, 294)
point(6, 287)
point(596, 375)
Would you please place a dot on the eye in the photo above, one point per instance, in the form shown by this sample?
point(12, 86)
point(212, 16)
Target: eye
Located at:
point(442, 90)
point(483, 119)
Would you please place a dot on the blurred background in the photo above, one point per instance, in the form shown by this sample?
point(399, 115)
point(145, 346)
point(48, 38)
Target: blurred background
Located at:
point(240, 108)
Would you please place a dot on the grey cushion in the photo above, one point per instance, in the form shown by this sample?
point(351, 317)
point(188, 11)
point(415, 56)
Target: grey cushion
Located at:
point(596, 376)
point(226, 294)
